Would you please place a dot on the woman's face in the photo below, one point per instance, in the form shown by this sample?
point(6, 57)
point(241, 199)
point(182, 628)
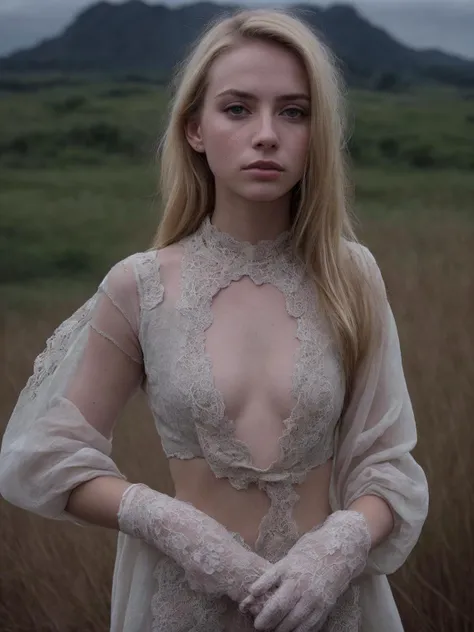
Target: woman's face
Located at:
point(256, 108)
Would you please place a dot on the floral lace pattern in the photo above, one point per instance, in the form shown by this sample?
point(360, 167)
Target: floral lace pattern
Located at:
point(206, 571)
point(56, 348)
point(58, 344)
point(212, 261)
point(313, 575)
point(176, 607)
point(148, 274)
point(213, 559)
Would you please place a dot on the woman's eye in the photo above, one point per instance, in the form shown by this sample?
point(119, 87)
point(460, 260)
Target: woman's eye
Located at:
point(239, 110)
point(236, 110)
point(295, 113)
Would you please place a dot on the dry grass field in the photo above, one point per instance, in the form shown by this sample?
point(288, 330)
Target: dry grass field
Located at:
point(56, 577)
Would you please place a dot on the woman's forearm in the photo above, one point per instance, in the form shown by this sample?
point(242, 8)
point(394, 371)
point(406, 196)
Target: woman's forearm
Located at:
point(378, 515)
point(98, 501)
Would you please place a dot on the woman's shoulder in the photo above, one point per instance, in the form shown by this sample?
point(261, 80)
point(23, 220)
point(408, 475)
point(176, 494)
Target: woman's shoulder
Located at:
point(133, 279)
point(145, 273)
point(362, 261)
point(360, 255)
point(123, 274)
point(358, 252)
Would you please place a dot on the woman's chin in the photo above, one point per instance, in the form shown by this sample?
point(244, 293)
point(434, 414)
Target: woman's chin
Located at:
point(264, 194)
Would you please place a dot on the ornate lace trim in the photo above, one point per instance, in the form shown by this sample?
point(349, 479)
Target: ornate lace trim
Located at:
point(203, 276)
point(57, 346)
point(278, 530)
point(224, 245)
point(149, 282)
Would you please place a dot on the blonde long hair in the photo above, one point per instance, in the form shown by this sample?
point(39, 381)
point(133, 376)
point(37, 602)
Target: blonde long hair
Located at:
point(321, 225)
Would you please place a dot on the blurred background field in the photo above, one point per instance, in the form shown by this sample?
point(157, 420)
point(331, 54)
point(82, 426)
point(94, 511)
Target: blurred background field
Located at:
point(78, 193)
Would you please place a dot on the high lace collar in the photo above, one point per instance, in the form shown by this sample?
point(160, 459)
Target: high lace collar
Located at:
point(221, 244)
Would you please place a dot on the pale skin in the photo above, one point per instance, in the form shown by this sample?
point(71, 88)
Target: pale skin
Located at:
point(234, 130)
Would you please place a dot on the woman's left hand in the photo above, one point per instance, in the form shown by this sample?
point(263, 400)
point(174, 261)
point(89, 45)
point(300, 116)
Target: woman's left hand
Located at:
point(310, 579)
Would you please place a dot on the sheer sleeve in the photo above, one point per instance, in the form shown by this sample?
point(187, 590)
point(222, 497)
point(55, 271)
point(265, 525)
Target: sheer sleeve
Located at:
point(60, 432)
point(375, 438)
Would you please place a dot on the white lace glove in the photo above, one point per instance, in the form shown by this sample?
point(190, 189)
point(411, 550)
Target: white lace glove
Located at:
point(312, 576)
point(213, 561)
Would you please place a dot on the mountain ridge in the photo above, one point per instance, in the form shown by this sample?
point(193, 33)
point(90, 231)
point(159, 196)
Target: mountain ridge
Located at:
point(138, 37)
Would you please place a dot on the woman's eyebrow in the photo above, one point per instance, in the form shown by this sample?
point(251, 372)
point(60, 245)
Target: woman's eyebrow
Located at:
point(252, 97)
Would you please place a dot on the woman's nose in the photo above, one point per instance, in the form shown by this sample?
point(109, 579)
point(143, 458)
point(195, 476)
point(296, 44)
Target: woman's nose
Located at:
point(266, 134)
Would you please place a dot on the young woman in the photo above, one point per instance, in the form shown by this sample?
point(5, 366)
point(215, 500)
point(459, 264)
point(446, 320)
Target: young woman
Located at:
point(261, 333)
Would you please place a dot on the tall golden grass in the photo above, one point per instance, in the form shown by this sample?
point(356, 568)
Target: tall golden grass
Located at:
point(56, 577)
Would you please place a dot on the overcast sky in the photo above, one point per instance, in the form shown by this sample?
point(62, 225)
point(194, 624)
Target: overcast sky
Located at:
point(445, 24)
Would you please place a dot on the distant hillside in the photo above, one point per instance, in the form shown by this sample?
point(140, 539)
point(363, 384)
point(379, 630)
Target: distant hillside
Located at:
point(142, 38)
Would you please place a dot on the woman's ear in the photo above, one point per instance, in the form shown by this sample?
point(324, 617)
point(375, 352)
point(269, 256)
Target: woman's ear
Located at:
point(193, 134)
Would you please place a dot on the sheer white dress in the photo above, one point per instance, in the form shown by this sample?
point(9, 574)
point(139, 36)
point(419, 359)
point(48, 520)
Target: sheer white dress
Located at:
point(179, 323)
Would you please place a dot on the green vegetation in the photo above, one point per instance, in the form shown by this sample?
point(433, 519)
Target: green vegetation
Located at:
point(78, 169)
point(72, 223)
point(80, 125)
point(429, 129)
point(99, 122)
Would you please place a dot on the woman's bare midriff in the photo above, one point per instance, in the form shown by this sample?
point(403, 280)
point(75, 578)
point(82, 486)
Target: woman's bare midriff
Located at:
point(242, 510)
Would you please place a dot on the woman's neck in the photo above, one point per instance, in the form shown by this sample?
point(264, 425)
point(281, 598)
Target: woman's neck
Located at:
point(251, 221)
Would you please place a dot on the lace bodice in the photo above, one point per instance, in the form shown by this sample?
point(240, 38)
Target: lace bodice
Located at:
point(214, 299)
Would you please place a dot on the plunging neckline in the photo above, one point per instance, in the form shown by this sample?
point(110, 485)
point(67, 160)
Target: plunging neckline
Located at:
point(227, 260)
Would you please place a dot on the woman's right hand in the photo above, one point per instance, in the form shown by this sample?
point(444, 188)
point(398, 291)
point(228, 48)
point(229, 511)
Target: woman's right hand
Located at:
point(213, 559)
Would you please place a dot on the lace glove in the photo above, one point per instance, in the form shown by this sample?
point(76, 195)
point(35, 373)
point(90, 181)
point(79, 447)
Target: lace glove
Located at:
point(213, 561)
point(312, 576)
